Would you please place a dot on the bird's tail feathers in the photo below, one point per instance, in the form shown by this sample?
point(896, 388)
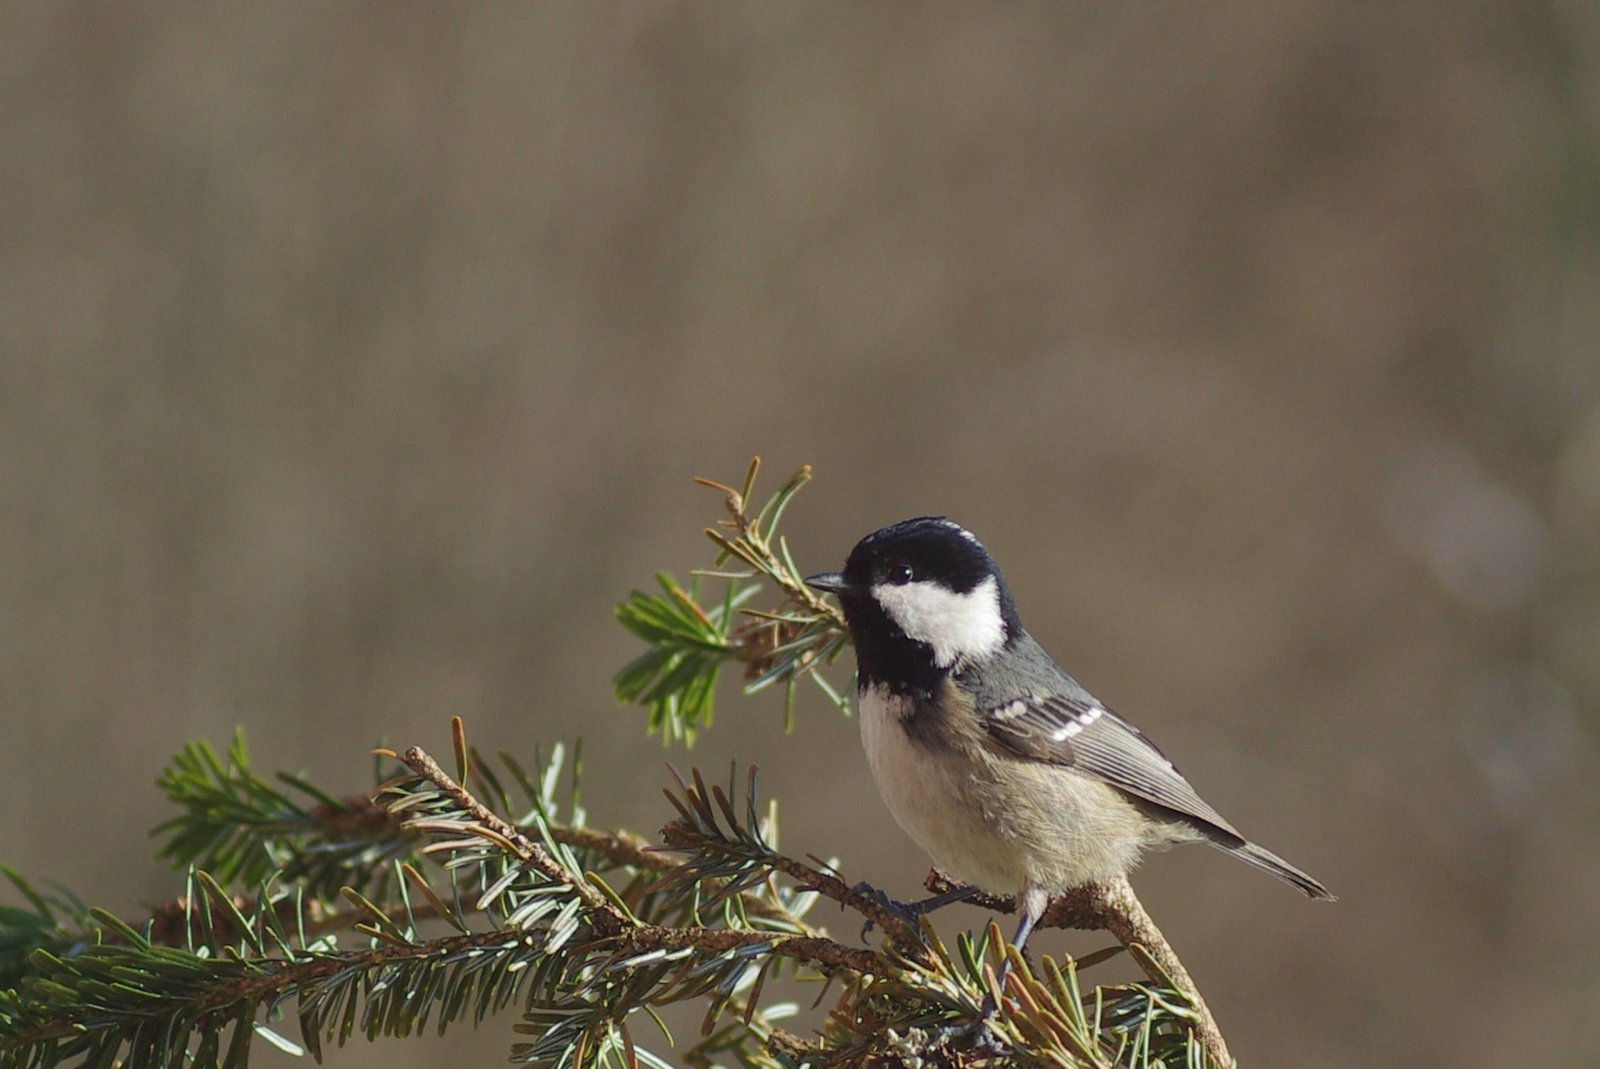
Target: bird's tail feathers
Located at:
point(1267, 861)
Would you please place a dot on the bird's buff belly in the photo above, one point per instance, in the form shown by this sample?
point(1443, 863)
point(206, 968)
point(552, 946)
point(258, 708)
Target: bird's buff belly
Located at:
point(991, 820)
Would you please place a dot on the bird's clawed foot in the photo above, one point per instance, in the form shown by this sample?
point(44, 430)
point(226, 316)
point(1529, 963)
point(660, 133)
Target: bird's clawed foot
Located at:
point(905, 912)
point(908, 913)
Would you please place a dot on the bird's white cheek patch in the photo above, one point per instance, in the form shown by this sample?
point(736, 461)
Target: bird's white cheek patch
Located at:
point(957, 626)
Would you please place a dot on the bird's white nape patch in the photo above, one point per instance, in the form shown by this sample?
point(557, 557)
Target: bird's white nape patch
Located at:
point(952, 525)
point(958, 626)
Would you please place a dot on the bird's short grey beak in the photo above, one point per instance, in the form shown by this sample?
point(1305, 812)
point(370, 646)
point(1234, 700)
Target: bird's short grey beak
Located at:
point(832, 582)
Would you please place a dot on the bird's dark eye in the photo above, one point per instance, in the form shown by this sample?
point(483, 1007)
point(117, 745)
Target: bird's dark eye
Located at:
point(900, 574)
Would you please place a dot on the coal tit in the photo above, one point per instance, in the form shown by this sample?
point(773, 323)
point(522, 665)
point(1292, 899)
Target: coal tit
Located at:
point(1008, 773)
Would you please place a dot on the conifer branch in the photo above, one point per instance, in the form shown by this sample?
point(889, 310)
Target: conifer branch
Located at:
point(1115, 908)
point(607, 918)
point(447, 898)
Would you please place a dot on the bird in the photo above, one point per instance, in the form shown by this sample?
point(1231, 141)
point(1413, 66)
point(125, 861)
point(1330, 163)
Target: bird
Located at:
point(1011, 776)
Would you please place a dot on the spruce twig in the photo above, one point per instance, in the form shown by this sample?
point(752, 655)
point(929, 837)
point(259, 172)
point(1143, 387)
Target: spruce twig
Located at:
point(454, 896)
point(688, 643)
point(608, 919)
point(1125, 917)
point(1116, 909)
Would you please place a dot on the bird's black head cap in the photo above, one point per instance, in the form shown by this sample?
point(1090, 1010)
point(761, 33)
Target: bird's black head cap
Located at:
point(958, 604)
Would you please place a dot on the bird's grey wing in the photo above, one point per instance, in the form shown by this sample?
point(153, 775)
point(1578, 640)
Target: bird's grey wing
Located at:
point(1078, 732)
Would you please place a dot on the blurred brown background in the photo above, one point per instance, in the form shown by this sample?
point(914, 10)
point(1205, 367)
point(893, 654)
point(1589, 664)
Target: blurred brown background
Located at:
point(354, 360)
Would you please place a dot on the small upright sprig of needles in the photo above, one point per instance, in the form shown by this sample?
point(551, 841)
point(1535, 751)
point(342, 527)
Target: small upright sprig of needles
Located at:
point(688, 642)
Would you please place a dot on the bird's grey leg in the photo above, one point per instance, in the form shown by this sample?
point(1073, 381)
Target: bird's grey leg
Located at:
point(1030, 904)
